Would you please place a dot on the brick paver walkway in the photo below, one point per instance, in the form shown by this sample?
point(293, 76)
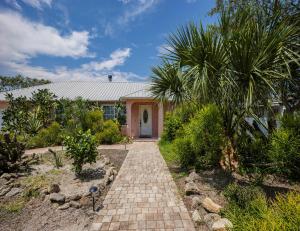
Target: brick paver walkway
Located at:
point(144, 195)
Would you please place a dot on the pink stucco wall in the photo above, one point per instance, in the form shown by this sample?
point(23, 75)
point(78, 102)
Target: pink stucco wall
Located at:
point(3, 104)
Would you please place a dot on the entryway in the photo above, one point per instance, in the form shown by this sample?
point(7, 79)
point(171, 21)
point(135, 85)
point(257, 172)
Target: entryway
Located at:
point(145, 121)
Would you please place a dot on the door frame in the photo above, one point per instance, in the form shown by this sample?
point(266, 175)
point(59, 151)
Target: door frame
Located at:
point(150, 111)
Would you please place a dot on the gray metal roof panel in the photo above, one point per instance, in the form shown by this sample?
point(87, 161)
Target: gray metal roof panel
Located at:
point(95, 91)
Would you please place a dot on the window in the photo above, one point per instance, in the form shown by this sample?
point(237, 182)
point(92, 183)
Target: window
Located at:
point(109, 112)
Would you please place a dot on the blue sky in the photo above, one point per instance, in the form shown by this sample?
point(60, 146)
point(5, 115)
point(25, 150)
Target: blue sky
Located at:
point(86, 40)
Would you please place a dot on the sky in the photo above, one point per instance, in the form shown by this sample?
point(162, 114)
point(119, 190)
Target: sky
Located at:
point(84, 40)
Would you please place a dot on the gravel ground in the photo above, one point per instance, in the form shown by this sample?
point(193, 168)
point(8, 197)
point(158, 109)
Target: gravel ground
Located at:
point(40, 214)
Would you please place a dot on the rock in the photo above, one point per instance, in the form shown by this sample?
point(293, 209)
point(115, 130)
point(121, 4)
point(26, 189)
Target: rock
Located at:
point(196, 202)
point(115, 172)
point(14, 175)
point(196, 217)
point(211, 206)
point(74, 197)
point(11, 181)
point(6, 176)
point(44, 191)
point(102, 185)
point(75, 204)
point(5, 190)
point(191, 188)
point(210, 218)
point(222, 225)
point(57, 198)
point(107, 180)
point(110, 171)
point(54, 188)
point(106, 161)
point(13, 192)
point(84, 201)
point(64, 206)
point(194, 176)
point(111, 178)
point(187, 180)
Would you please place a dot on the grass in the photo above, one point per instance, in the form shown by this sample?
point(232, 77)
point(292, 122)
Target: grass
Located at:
point(14, 206)
point(168, 153)
point(48, 158)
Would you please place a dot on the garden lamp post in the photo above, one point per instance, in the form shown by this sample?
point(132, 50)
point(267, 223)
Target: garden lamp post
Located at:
point(93, 190)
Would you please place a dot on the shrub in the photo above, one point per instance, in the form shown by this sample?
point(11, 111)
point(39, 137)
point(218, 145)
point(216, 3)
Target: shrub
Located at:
point(252, 149)
point(282, 213)
point(291, 122)
point(186, 111)
point(82, 149)
point(184, 151)
point(11, 151)
point(172, 124)
point(93, 121)
point(49, 136)
point(242, 195)
point(111, 133)
point(206, 134)
point(284, 152)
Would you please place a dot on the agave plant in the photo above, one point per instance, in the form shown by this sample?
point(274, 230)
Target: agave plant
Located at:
point(238, 65)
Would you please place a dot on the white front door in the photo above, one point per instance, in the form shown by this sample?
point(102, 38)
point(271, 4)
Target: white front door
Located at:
point(145, 121)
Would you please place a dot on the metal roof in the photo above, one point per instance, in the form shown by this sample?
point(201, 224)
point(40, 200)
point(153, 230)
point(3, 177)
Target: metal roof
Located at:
point(95, 91)
point(140, 94)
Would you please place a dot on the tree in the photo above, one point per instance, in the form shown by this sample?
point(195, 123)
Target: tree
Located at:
point(46, 102)
point(82, 149)
point(16, 115)
point(28, 115)
point(10, 83)
point(237, 65)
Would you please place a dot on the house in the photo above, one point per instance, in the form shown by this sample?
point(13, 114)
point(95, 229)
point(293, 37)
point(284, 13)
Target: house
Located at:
point(144, 114)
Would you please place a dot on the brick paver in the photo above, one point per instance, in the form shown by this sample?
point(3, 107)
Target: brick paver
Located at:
point(144, 195)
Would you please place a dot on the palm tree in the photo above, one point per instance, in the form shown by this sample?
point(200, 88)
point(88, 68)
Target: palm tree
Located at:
point(238, 65)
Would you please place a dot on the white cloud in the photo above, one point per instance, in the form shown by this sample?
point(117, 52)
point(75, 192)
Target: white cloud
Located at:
point(137, 8)
point(38, 3)
point(22, 39)
point(78, 74)
point(87, 72)
point(117, 58)
point(133, 9)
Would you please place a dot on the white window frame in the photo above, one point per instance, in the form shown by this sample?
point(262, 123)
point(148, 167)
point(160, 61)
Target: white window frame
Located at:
point(114, 113)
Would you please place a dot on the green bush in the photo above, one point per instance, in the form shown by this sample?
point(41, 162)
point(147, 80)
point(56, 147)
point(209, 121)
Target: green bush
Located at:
point(183, 149)
point(282, 213)
point(11, 151)
point(206, 134)
point(49, 136)
point(186, 111)
point(172, 124)
point(252, 149)
point(242, 195)
point(291, 122)
point(82, 149)
point(93, 121)
point(111, 133)
point(284, 152)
